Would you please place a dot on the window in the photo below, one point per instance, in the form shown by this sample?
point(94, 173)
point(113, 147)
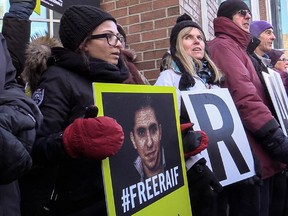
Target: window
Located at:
point(47, 22)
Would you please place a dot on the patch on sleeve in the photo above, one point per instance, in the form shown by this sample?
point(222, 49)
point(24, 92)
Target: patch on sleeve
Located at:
point(38, 96)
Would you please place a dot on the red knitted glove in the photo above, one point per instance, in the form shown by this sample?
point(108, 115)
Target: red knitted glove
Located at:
point(94, 138)
point(193, 141)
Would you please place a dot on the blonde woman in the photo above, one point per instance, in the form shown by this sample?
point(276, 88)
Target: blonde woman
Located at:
point(188, 67)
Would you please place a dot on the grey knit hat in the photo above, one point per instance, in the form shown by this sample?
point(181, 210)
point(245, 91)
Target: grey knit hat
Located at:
point(78, 21)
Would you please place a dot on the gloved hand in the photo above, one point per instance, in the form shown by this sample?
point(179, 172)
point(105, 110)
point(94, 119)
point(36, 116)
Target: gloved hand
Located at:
point(257, 178)
point(203, 188)
point(276, 144)
point(201, 178)
point(193, 141)
point(91, 111)
point(21, 9)
point(94, 138)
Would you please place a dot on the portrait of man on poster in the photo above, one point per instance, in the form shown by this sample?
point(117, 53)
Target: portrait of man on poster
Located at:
point(146, 137)
point(148, 167)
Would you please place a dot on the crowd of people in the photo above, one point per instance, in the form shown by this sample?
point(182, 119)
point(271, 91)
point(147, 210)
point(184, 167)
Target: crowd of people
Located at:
point(52, 140)
point(243, 79)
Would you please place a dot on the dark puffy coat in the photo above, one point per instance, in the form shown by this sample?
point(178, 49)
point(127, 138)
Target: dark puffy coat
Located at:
point(19, 117)
point(65, 90)
point(10, 199)
point(228, 51)
point(17, 134)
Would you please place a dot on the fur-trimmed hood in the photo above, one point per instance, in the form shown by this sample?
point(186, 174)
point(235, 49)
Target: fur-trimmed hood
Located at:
point(37, 54)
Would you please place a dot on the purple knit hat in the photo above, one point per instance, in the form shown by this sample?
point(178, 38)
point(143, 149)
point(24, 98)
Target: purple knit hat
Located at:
point(259, 26)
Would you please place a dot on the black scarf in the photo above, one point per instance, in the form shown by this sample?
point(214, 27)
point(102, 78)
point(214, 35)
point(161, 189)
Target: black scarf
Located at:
point(95, 69)
point(102, 71)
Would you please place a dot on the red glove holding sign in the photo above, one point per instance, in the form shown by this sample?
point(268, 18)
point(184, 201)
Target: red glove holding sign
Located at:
point(193, 141)
point(94, 138)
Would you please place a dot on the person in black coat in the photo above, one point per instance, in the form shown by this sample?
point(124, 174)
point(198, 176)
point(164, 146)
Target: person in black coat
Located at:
point(66, 178)
point(19, 115)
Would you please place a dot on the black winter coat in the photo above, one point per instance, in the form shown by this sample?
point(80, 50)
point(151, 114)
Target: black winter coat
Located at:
point(64, 92)
point(19, 117)
point(260, 67)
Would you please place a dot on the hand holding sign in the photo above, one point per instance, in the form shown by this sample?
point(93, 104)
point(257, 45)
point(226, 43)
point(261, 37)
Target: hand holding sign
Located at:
point(274, 141)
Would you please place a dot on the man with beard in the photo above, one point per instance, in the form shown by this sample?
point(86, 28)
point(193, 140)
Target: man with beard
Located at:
point(146, 139)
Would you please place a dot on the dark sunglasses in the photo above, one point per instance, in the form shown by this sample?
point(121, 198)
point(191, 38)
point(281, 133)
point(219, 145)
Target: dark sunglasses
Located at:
point(244, 12)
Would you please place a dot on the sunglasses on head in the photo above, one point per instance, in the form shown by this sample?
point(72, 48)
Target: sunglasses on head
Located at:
point(244, 12)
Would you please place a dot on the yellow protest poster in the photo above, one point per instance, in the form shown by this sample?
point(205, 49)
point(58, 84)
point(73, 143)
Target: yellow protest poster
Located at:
point(148, 175)
point(37, 7)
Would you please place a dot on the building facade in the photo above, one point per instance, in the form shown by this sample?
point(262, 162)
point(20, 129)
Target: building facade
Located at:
point(148, 23)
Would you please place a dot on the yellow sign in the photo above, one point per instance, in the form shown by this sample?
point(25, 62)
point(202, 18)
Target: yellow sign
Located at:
point(37, 7)
point(139, 181)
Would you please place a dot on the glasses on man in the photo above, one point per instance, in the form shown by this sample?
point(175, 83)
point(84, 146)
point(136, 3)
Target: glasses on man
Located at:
point(112, 39)
point(284, 59)
point(244, 12)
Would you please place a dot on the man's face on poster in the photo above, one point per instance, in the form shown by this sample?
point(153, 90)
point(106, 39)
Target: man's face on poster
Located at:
point(146, 138)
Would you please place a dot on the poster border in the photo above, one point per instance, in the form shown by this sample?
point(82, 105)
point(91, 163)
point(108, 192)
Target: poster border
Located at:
point(98, 89)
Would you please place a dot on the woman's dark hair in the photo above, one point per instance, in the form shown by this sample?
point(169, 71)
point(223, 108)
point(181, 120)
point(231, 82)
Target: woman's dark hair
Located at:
point(121, 31)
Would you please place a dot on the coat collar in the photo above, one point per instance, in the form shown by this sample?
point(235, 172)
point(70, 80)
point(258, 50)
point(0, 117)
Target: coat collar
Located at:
point(225, 26)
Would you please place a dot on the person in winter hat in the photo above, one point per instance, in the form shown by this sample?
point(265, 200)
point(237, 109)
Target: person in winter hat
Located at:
point(263, 38)
point(188, 67)
point(269, 146)
point(263, 31)
point(66, 178)
point(276, 55)
point(279, 62)
point(261, 43)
